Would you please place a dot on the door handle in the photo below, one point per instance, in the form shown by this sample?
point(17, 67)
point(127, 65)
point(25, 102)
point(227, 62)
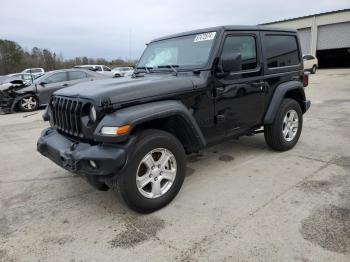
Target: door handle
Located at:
point(65, 85)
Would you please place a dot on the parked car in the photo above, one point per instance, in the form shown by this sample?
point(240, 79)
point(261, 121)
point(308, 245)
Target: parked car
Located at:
point(133, 135)
point(123, 71)
point(17, 94)
point(34, 71)
point(310, 63)
point(26, 77)
point(102, 69)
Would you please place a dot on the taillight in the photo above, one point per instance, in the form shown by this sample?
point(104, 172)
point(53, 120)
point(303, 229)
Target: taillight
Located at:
point(306, 79)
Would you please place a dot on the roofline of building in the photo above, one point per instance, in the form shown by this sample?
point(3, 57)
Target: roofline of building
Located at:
point(307, 16)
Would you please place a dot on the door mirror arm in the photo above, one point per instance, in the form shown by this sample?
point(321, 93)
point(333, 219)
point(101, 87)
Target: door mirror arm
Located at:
point(219, 72)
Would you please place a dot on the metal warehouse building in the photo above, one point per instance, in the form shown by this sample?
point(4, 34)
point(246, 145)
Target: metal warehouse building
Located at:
point(326, 35)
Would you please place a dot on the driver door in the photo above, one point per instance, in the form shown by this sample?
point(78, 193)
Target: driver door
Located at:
point(240, 94)
point(51, 84)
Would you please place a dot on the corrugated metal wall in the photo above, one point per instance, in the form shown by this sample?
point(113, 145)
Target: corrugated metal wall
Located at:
point(333, 36)
point(305, 39)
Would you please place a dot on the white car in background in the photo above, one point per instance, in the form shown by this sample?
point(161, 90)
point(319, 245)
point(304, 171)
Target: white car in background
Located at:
point(34, 71)
point(310, 63)
point(123, 71)
point(102, 69)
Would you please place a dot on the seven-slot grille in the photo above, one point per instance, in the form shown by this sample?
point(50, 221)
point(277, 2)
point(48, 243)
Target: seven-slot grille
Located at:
point(66, 114)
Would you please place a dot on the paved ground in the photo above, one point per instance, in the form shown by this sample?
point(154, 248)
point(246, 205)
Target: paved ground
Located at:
point(240, 200)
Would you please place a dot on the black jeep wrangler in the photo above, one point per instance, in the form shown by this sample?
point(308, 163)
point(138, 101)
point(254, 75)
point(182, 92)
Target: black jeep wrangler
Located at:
point(188, 91)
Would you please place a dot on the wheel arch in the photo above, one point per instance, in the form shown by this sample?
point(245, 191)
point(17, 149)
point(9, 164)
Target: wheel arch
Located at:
point(291, 89)
point(170, 116)
point(23, 95)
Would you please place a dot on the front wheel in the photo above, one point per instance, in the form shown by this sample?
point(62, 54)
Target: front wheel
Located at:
point(155, 171)
point(28, 103)
point(284, 132)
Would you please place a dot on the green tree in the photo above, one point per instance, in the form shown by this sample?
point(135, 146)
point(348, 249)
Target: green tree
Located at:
point(11, 55)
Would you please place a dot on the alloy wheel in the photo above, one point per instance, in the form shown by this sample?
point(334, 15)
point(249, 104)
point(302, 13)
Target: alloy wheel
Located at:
point(156, 173)
point(28, 103)
point(290, 125)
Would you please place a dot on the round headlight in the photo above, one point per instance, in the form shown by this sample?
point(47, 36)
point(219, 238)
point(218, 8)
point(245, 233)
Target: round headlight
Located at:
point(92, 114)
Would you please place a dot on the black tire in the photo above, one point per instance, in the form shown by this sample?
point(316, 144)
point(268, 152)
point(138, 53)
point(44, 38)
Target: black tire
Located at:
point(273, 133)
point(28, 103)
point(313, 69)
point(147, 141)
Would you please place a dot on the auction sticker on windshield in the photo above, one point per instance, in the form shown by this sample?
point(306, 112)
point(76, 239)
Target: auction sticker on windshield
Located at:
point(205, 37)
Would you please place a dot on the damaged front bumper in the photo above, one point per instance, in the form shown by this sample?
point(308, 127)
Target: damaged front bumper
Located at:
point(81, 158)
point(6, 104)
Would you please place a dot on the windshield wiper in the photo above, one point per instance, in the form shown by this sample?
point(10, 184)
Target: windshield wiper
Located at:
point(172, 67)
point(146, 68)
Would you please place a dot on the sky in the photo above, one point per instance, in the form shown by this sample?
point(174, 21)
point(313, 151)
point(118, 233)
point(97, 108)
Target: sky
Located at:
point(120, 29)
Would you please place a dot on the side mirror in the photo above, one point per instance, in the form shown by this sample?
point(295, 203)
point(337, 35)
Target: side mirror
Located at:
point(42, 83)
point(231, 62)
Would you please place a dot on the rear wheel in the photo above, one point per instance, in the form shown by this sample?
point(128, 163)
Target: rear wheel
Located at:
point(28, 103)
point(285, 130)
point(313, 70)
point(155, 172)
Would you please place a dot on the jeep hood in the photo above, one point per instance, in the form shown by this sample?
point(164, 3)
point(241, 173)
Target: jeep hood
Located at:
point(128, 89)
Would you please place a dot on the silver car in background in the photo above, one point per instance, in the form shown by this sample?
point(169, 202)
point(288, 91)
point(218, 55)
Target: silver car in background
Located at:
point(123, 71)
point(20, 95)
point(101, 69)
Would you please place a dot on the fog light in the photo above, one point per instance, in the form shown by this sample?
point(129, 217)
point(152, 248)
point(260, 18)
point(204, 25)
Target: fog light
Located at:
point(93, 164)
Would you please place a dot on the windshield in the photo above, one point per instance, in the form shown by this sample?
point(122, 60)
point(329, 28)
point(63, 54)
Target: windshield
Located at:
point(189, 51)
point(38, 79)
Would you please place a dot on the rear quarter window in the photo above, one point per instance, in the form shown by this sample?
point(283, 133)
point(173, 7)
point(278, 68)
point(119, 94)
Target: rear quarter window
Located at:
point(281, 51)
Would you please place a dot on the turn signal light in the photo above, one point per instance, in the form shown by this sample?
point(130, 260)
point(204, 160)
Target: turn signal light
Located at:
point(123, 130)
point(115, 130)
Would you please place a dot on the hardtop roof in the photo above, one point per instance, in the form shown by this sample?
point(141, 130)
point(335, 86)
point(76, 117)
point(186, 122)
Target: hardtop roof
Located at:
point(228, 28)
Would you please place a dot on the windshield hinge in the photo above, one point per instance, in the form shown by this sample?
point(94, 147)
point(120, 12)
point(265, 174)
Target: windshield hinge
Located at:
point(107, 105)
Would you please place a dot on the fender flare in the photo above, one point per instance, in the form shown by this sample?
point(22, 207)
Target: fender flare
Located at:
point(278, 96)
point(139, 114)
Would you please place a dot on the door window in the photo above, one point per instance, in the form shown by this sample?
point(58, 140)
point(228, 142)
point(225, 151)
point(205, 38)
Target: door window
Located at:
point(245, 46)
point(34, 71)
point(55, 78)
point(27, 77)
point(75, 75)
point(105, 68)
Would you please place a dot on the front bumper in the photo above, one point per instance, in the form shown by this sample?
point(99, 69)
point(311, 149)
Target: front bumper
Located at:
point(6, 104)
point(76, 156)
